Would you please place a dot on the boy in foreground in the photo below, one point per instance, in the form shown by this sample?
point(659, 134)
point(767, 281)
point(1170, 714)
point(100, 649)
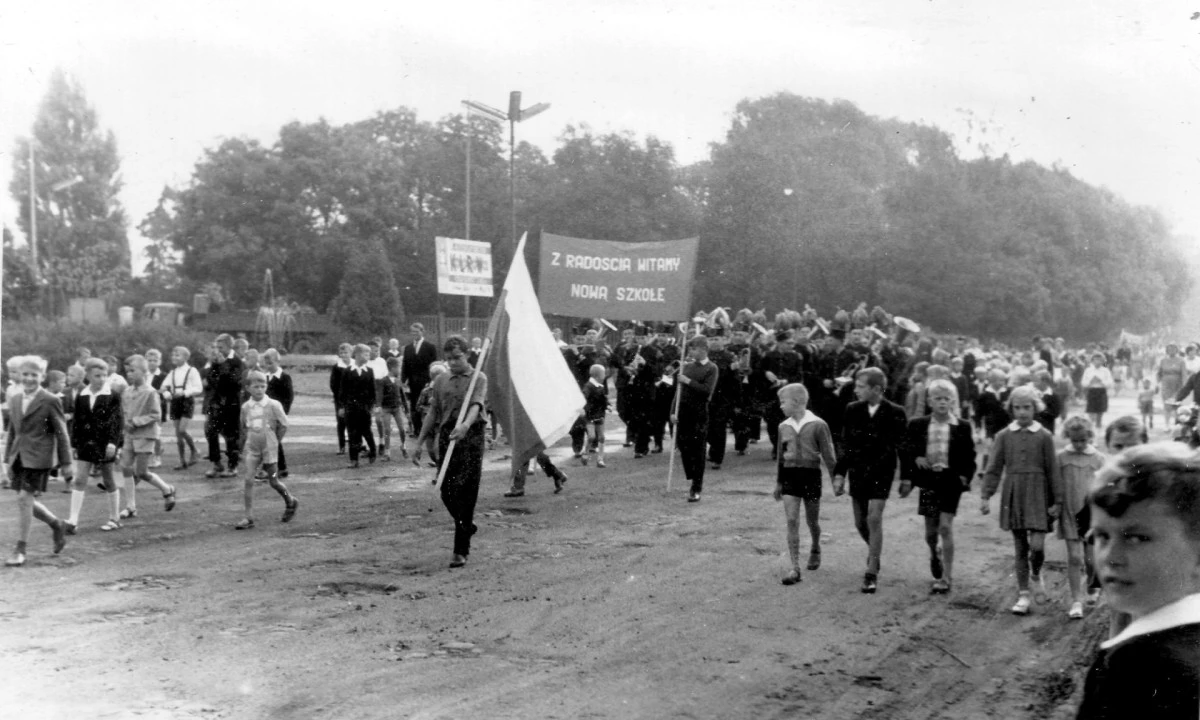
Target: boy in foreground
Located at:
point(804, 441)
point(37, 442)
point(1145, 509)
point(264, 423)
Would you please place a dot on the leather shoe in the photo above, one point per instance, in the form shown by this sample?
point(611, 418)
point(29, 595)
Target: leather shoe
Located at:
point(458, 561)
point(515, 493)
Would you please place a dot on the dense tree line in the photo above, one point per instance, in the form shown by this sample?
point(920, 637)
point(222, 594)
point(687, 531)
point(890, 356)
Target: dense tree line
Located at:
point(803, 201)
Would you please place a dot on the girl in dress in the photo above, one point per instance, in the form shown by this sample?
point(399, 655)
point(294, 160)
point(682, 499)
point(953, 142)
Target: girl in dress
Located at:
point(1031, 496)
point(1170, 380)
point(1097, 380)
point(1078, 464)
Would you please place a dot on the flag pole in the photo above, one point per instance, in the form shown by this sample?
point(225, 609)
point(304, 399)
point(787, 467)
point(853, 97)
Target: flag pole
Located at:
point(675, 410)
point(493, 323)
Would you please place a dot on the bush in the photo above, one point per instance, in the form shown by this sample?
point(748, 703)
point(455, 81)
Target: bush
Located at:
point(58, 341)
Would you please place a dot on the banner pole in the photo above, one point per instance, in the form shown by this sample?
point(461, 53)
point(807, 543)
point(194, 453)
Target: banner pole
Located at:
point(675, 410)
point(493, 323)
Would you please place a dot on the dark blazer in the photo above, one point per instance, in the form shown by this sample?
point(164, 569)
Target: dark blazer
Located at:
point(38, 433)
point(281, 389)
point(358, 389)
point(961, 452)
point(871, 446)
point(414, 366)
point(96, 427)
point(335, 383)
point(225, 382)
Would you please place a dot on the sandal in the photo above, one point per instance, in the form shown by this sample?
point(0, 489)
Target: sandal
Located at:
point(128, 513)
point(290, 512)
point(245, 524)
point(111, 525)
point(169, 500)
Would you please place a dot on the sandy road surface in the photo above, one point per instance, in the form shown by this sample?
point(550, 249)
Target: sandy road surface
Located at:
point(614, 599)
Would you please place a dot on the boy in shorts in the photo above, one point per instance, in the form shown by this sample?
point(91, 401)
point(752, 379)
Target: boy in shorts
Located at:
point(37, 442)
point(1146, 534)
point(264, 423)
point(95, 439)
point(141, 411)
point(939, 458)
point(391, 404)
point(804, 442)
point(595, 406)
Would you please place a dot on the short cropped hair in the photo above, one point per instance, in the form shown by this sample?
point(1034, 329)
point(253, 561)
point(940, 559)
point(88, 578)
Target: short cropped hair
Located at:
point(153, 353)
point(417, 327)
point(1078, 425)
point(182, 351)
point(1166, 471)
point(270, 353)
point(456, 342)
point(436, 369)
point(54, 375)
point(1126, 425)
point(137, 361)
point(360, 348)
point(224, 337)
point(1024, 393)
point(345, 346)
point(597, 370)
point(94, 363)
point(942, 385)
point(873, 377)
point(36, 362)
point(698, 342)
point(796, 390)
point(393, 362)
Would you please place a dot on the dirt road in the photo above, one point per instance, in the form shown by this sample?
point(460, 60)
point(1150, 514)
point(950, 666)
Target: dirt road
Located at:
point(615, 599)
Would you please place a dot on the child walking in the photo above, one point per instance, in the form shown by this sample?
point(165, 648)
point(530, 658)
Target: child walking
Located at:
point(392, 404)
point(939, 458)
point(140, 413)
point(1097, 379)
point(180, 389)
point(96, 437)
point(595, 406)
point(1146, 403)
point(264, 423)
point(37, 441)
point(804, 442)
point(1023, 454)
point(1146, 516)
point(1078, 464)
point(359, 397)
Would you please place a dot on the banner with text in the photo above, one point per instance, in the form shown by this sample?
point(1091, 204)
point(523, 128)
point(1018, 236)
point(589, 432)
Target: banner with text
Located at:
point(617, 280)
point(464, 267)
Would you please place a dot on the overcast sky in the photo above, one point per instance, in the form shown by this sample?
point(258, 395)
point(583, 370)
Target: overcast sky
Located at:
point(1108, 89)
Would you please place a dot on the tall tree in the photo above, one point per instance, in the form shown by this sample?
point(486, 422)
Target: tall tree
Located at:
point(368, 302)
point(82, 246)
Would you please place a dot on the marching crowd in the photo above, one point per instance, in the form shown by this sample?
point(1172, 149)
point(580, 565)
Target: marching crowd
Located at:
point(865, 396)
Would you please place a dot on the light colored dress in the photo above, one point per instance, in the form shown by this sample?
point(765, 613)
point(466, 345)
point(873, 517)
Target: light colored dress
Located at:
point(1025, 458)
point(1170, 377)
point(1077, 470)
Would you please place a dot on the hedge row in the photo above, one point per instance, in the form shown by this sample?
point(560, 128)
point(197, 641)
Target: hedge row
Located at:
point(59, 341)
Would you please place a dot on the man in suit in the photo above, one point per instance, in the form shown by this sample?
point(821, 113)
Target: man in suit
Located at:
point(414, 368)
point(224, 408)
point(37, 443)
point(873, 434)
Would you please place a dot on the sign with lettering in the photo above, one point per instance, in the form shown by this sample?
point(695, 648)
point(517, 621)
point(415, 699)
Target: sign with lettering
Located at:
point(617, 280)
point(464, 267)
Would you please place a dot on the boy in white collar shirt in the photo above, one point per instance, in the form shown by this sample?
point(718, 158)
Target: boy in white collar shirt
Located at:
point(264, 423)
point(1146, 532)
point(37, 441)
point(804, 442)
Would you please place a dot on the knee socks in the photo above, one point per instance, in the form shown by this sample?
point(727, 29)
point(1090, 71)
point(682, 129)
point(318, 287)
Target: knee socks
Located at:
point(76, 506)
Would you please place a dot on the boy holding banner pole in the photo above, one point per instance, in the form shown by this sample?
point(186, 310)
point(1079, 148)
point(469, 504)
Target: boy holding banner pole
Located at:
point(456, 414)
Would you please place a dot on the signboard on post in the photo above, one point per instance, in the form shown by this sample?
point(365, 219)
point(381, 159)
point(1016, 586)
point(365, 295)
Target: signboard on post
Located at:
point(464, 267)
point(617, 280)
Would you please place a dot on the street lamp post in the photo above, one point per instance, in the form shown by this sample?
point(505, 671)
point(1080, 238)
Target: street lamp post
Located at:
point(514, 115)
point(33, 237)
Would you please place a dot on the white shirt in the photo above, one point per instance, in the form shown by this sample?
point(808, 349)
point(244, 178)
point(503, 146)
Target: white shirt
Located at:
point(379, 367)
point(91, 396)
point(186, 378)
point(1184, 611)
